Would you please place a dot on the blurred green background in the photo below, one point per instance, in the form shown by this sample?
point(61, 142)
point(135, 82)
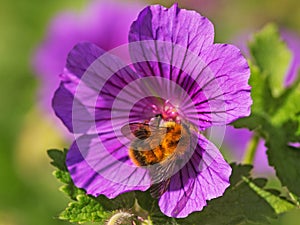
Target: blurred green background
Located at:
point(28, 191)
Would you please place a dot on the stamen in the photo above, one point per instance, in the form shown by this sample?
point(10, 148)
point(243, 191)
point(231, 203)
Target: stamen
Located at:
point(168, 112)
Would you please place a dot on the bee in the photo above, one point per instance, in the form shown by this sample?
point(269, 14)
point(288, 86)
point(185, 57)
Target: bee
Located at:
point(157, 145)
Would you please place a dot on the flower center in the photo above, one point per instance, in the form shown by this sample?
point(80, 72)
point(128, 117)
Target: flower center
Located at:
point(168, 112)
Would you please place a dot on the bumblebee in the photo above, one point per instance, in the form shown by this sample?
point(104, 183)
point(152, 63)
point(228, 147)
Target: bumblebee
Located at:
point(157, 143)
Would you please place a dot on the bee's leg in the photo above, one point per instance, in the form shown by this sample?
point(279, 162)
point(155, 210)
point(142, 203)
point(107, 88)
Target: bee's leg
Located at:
point(156, 121)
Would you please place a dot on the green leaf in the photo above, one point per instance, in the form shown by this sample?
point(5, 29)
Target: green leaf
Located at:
point(63, 176)
point(148, 203)
point(62, 173)
point(263, 102)
point(85, 209)
point(275, 114)
point(241, 203)
point(123, 201)
point(261, 92)
point(278, 204)
point(59, 158)
point(245, 201)
point(272, 56)
point(284, 158)
point(288, 105)
point(69, 188)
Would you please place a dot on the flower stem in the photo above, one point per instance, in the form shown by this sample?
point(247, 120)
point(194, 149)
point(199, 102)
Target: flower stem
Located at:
point(142, 214)
point(251, 149)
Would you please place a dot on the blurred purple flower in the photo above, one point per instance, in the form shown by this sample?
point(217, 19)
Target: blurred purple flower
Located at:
point(293, 43)
point(97, 24)
point(237, 146)
point(176, 72)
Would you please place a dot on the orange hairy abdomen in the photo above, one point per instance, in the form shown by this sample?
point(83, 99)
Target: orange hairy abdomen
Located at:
point(150, 149)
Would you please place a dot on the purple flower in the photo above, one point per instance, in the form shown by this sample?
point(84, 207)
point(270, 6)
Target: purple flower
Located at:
point(95, 24)
point(139, 124)
point(237, 146)
point(293, 42)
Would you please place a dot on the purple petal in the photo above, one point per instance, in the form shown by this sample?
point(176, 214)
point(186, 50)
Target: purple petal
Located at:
point(223, 94)
point(62, 104)
point(294, 144)
point(81, 57)
point(179, 26)
point(103, 167)
point(184, 28)
point(64, 101)
point(206, 176)
point(83, 107)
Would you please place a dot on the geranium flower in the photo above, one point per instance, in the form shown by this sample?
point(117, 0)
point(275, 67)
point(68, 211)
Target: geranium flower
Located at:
point(96, 23)
point(238, 146)
point(177, 84)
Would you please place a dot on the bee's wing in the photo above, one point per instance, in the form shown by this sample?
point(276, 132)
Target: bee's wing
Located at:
point(163, 171)
point(130, 130)
point(158, 189)
point(161, 174)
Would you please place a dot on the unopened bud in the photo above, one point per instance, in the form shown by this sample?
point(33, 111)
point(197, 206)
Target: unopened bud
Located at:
point(121, 218)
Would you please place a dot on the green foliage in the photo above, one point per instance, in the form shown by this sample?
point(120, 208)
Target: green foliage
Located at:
point(69, 188)
point(62, 174)
point(284, 158)
point(278, 204)
point(124, 201)
point(272, 56)
point(288, 105)
point(149, 204)
point(245, 201)
point(275, 112)
point(84, 209)
point(58, 158)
